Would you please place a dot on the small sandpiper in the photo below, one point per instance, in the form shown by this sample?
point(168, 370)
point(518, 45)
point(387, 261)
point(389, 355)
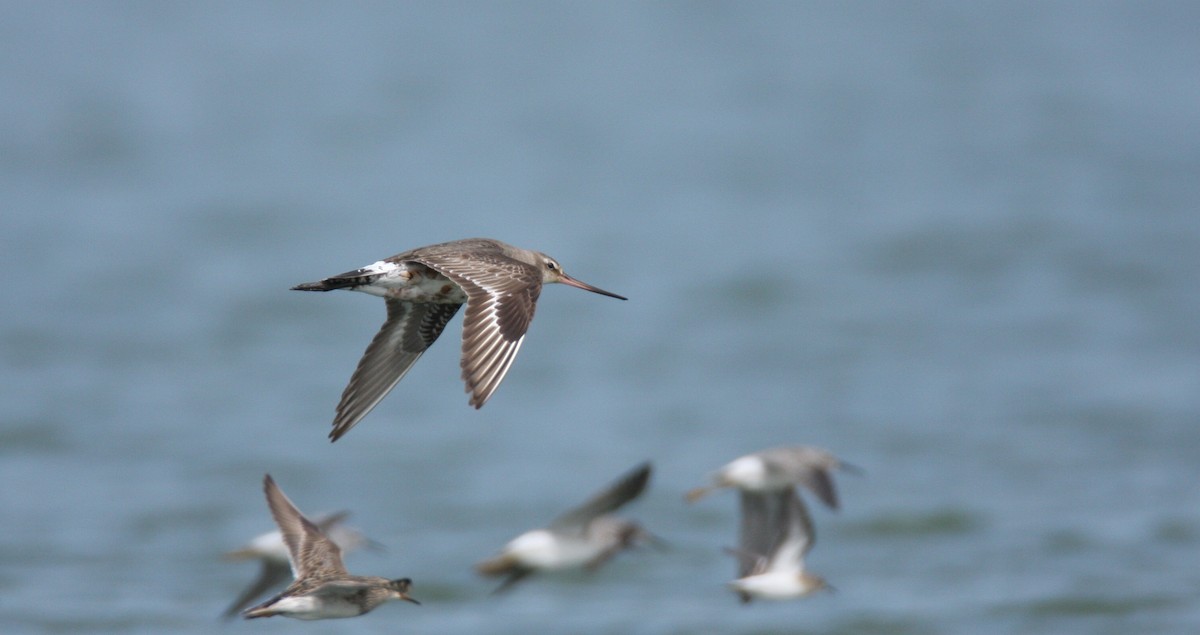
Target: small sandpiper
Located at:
point(272, 554)
point(584, 537)
point(777, 533)
point(777, 469)
point(423, 289)
point(323, 589)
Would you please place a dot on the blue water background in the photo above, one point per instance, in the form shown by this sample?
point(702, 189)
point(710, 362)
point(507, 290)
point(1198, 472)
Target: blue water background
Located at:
point(955, 243)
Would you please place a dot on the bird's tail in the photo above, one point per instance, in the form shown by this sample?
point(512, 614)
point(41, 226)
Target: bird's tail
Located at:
point(348, 280)
point(328, 284)
point(502, 564)
point(259, 611)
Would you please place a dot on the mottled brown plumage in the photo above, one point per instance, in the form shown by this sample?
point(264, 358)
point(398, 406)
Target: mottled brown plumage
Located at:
point(423, 289)
point(323, 589)
point(275, 567)
point(586, 536)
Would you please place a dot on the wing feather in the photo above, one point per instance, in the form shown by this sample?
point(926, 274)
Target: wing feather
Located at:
point(311, 553)
point(501, 295)
point(409, 330)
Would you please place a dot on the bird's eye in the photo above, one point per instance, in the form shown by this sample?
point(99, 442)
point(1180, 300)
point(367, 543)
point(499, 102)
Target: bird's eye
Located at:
point(551, 265)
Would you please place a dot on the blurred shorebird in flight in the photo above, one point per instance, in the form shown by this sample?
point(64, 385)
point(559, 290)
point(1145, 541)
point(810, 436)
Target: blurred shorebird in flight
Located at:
point(780, 468)
point(776, 534)
point(323, 589)
point(584, 537)
point(272, 554)
point(424, 288)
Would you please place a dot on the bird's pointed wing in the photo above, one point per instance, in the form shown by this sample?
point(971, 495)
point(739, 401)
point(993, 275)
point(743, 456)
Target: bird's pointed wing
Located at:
point(501, 296)
point(606, 501)
point(819, 481)
point(807, 466)
point(340, 588)
point(794, 535)
point(756, 533)
point(310, 552)
point(409, 330)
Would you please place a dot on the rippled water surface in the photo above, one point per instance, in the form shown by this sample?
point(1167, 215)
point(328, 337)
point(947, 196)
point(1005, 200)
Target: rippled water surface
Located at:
point(957, 245)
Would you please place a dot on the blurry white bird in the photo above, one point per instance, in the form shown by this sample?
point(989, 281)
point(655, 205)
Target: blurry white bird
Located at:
point(776, 534)
point(584, 537)
point(777, 469)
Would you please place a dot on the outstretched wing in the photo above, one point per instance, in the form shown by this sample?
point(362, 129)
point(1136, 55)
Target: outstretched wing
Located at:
point(409, 330)
point(606, 501)
point(310, 552)
point(756, 533)
point(794, 535)
point(501, 296)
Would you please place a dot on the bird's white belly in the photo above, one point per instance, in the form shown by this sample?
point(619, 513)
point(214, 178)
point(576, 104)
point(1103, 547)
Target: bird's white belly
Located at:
point(307, 608)
point(772, 585)
point(541, 549)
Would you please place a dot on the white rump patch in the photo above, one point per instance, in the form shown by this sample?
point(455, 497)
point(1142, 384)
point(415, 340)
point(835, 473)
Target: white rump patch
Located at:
point(381, 266)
